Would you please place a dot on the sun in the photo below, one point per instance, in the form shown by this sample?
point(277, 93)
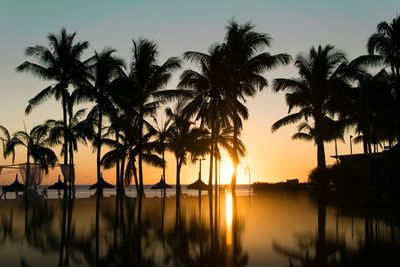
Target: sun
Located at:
point(226, 171)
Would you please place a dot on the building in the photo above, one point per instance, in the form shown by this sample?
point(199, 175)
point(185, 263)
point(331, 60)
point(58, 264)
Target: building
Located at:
point(375, 172)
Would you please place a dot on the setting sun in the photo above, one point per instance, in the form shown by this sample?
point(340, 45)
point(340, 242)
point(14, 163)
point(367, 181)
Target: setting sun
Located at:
point(226, 171)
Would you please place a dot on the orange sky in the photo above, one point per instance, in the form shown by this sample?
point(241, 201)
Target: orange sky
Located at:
point(177, 27)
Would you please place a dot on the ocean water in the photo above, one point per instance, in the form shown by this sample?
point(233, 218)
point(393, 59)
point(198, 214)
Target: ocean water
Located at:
point(275, 228)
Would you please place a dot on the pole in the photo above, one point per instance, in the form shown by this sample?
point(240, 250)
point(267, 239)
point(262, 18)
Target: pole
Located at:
point(245, 171)
point(336, 151)
point(200, 169)
point(351, 146)
point(200, 159)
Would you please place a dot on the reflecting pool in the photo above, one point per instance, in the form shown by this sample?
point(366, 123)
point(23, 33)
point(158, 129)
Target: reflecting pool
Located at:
point(269, 229)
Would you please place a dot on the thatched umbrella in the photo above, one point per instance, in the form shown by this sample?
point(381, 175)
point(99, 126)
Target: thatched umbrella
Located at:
point(102, 184)
point(198, 185)
point(161, 185)
point(59, 185)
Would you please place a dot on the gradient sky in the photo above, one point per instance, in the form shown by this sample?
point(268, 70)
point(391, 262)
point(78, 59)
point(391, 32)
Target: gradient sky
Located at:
point(178, 26)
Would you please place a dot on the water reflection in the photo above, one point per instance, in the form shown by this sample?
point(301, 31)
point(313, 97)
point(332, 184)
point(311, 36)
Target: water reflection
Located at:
point(229, 218)
point(205, 231)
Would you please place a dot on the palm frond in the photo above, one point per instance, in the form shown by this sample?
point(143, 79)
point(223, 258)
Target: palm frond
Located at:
point(289, 119)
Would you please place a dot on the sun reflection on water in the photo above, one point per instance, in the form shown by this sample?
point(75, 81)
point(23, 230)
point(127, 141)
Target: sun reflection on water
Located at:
point(228, 216)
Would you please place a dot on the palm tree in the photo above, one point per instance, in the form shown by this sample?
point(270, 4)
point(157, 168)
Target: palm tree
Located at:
point(384, 49)
point(115, 129)
point(105, 69)
point(146, 78)
point(386, 44)
point(60, 62)
point(122, 152)
point(185, 138)
point(369, 107)
point(126, 150)
point(4, 139)
point(163, 132)
point(245, 65)
point(321, 74)
point(208, 103)
point(35, 142)
point(224, 138)
point(78, 130)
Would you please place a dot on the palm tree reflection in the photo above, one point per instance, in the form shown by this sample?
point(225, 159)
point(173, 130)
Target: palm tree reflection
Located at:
point(324, 250)
point(122, 231)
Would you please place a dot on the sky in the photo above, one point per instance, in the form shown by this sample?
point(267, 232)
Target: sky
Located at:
point(178, 26)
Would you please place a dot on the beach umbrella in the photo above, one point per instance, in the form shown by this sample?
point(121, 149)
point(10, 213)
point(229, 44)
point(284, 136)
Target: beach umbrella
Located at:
point(198, 185)
point(101, 184)
point(161, 185)
point(16, 186)
point(59, 185)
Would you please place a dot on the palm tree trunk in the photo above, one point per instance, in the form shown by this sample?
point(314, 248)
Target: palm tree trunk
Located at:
point(117, 179)
point(216, 174)
point(71, 175)
point(28, 171)
point(140, 144)
point(210, 175)
point(98, 156)
point(121, 175)
point(178, 176)
point(178, 190)
point(320, 153)
point(365, 144)
point(216, 190)
point(65, 145)
point(235, 156)
point(136, 178)
point(65, 119)
point(212, 149)
point(163, 170)
point(369, 146)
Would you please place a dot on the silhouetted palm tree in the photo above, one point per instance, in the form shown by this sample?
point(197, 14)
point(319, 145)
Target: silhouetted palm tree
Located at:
point(4, 139)
point(123, 151)
point(117, 120)
point(78, 130)
point(208, 103)
point(370, 108)
point(104, 71)
point(162, 137)
point(386, 44)
point(245, 66)
point(321, 73)
point(36, 144)
point(60, 62)
point(384, 49)
point(185, 139)
point(124, 120)
point(126, 149)
point(146, 78)
point(224, 139)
